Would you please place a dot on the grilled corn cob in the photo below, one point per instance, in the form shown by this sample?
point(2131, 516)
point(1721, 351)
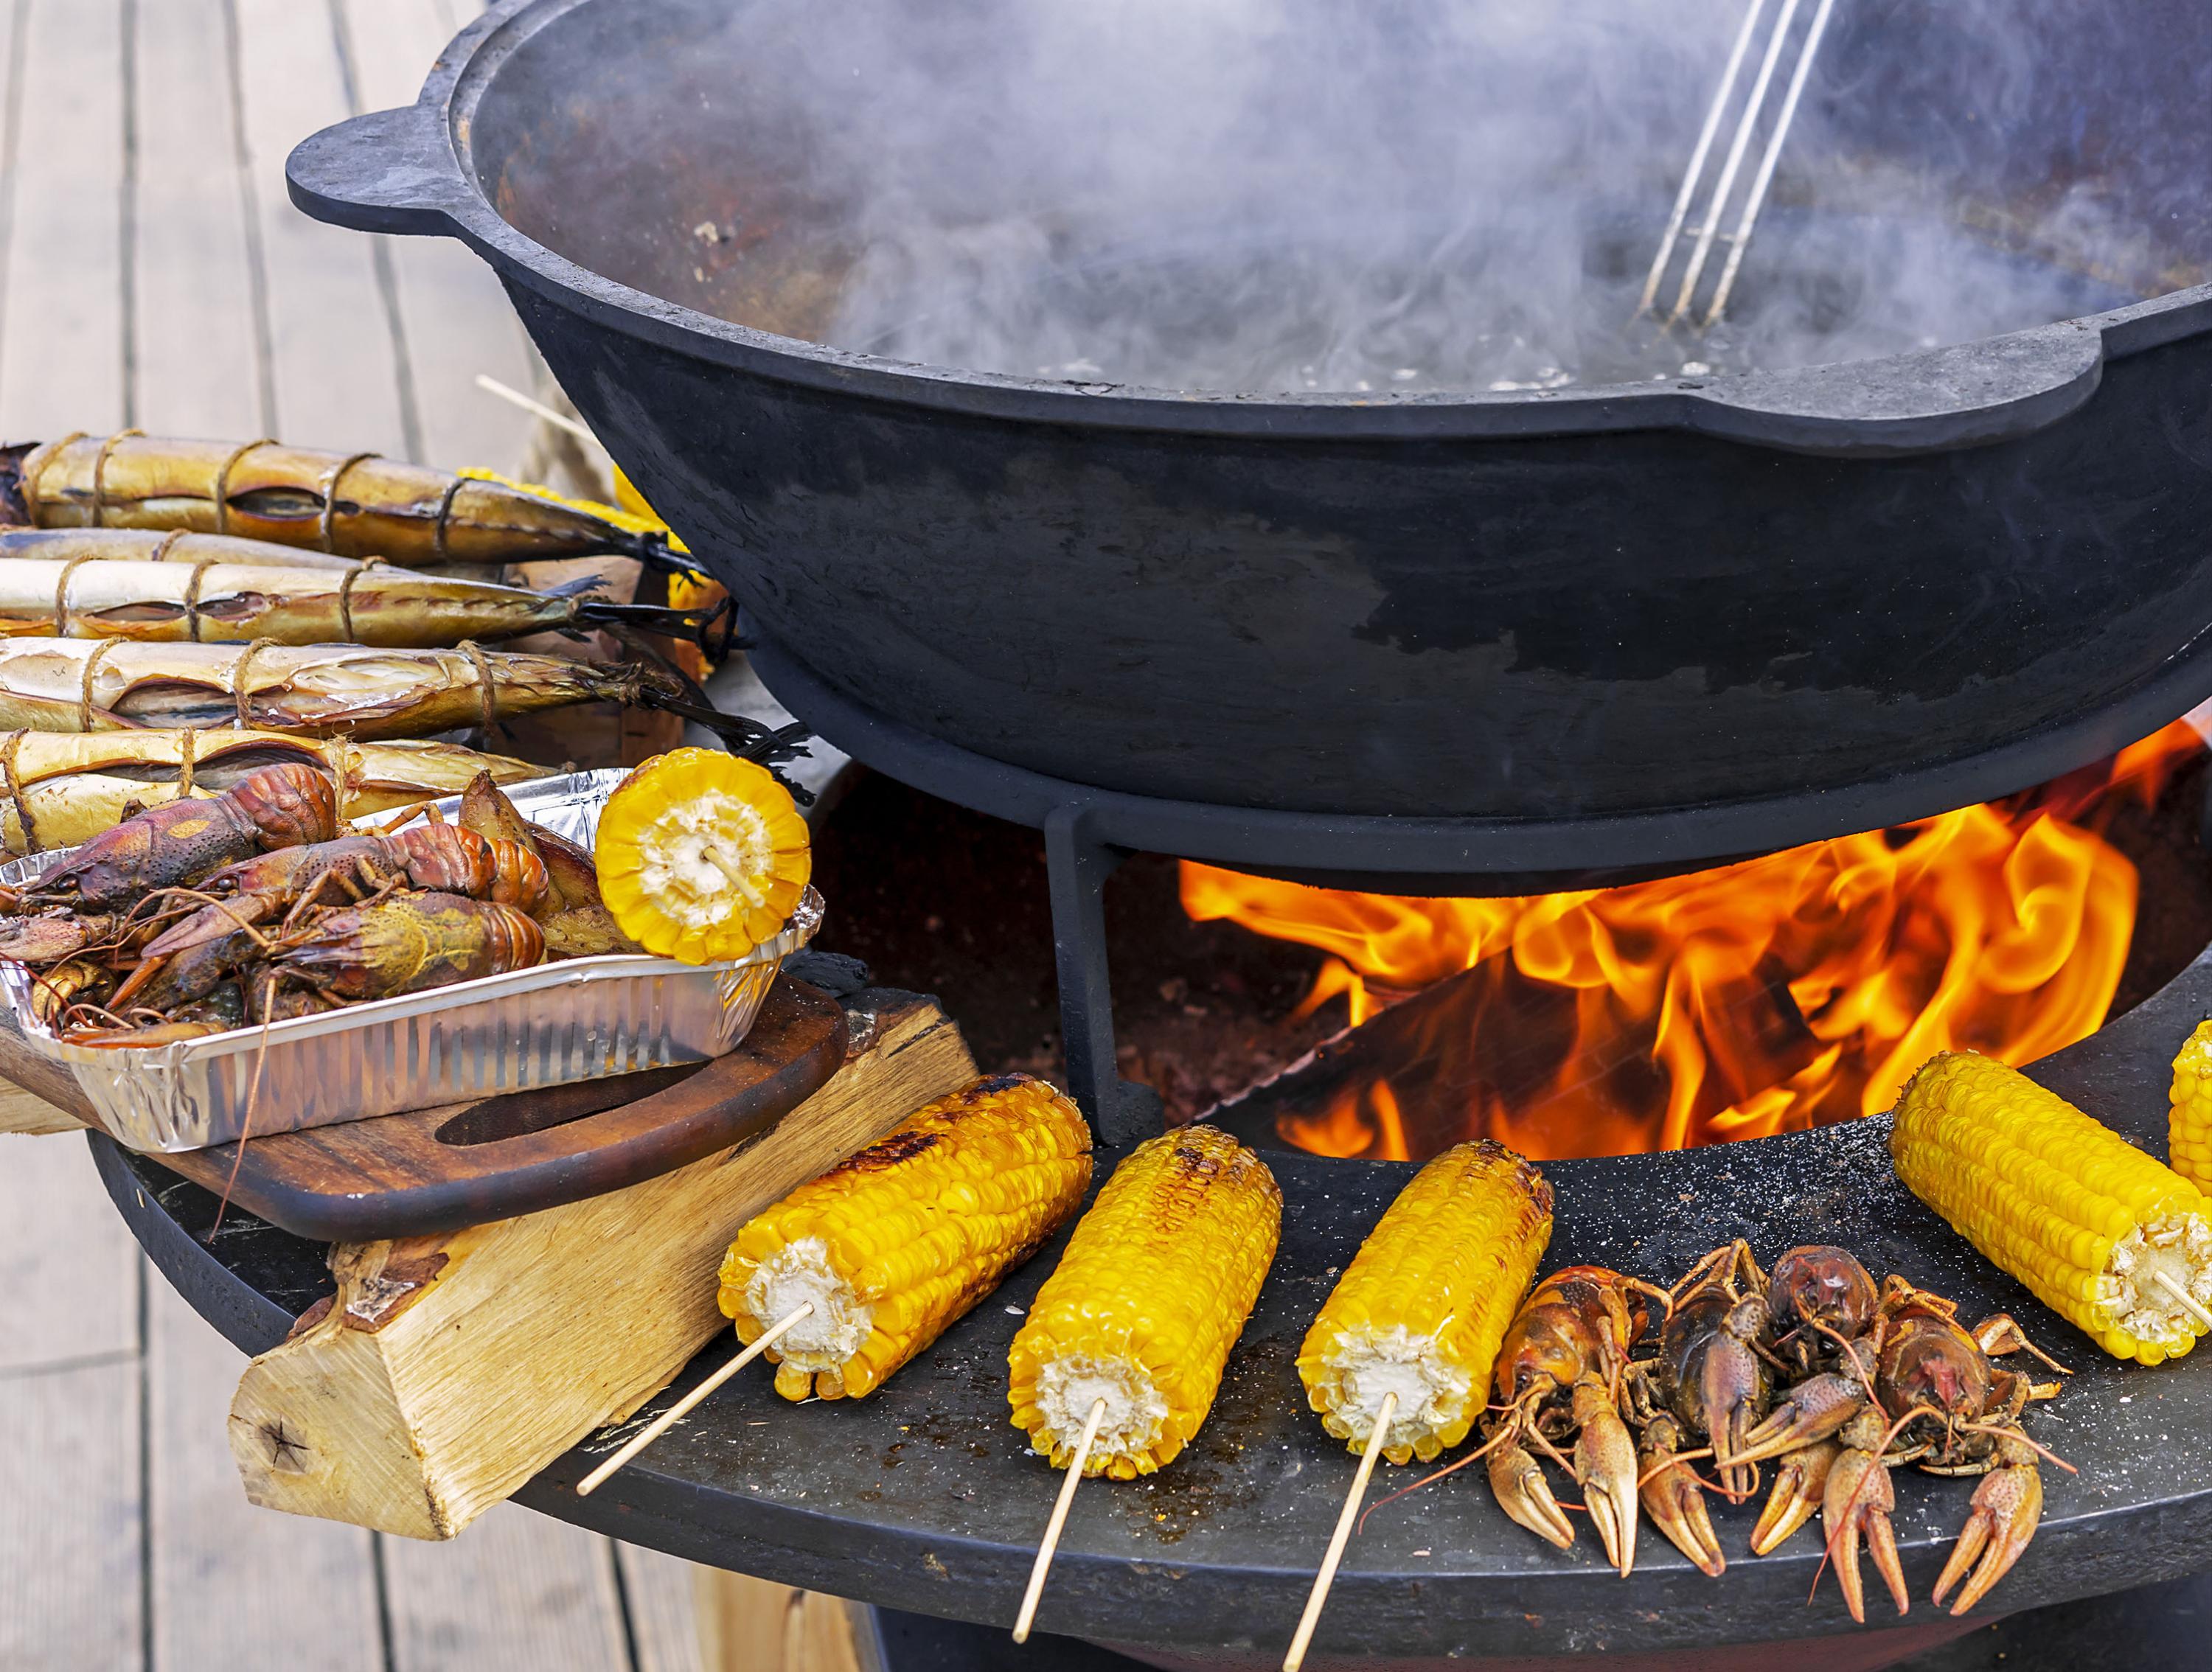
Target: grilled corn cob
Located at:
point(1422, 1306)
point(894, 1244)
point(1152, 1293)
point(2095, 1227)
point(2188, 1128)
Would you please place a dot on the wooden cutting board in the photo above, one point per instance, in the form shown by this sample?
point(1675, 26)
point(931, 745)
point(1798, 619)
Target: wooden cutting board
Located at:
point(438, 1170)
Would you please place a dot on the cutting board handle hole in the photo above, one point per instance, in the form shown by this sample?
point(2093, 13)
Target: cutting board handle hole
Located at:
point(520, 1114)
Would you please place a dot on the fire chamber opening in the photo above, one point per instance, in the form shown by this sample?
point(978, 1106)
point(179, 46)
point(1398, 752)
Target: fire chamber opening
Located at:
point(1783, 993)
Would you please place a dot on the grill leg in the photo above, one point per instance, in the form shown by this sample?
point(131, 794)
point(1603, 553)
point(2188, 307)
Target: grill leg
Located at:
point(1120, 1112)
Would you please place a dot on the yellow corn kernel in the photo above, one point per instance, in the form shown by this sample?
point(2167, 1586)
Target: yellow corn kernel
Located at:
point(1421, 1309)
point(1153, 1291)
point(2103, 1234)
point(894, 1244)
point(2189, 1126)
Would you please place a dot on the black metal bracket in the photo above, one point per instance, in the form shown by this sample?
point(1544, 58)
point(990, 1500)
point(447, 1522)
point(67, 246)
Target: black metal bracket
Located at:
point(1078, 865)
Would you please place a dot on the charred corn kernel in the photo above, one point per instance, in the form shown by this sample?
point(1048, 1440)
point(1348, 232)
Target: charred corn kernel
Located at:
point(1152, 1293)
point(1422, 1308)
point(700, 855)
point(2102, 1233)
point(2189, 1126)
point(894, 1244)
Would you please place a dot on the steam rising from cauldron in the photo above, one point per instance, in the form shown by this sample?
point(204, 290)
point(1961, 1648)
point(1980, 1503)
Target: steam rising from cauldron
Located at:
point(1311, 195)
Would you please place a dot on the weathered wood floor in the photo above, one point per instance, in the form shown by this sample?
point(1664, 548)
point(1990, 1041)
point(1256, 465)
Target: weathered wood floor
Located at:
point(152, 273)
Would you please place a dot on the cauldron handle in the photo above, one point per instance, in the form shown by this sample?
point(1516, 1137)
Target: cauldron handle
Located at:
point(392, 171)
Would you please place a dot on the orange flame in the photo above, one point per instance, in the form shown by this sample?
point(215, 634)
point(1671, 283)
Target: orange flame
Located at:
point(1782, 992)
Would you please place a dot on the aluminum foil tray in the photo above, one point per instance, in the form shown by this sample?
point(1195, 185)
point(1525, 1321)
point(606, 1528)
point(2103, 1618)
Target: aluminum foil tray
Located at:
point(581, 1019)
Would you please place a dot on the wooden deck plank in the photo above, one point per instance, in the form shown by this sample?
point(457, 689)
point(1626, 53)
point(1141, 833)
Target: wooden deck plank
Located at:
point(70, 1549)
point(199, 366)
point(518, 1592)
point(62, 342)
point(68, 1268)
point(455, 320)
point(664, 1610)
point(333, 371)
point(235, 1588)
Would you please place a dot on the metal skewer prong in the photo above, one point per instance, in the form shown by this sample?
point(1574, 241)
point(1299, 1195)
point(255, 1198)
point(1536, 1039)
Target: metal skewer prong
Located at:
point(669, 1418)
point(1714, 215)
point(1058, 1520)
point(1338, 1540)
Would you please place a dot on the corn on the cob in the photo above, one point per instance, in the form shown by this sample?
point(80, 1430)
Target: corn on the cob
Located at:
point(701, 854)
point(1152, 1293)
point(894, 1244)
point(2189, 1126)
point(2095, 1227)
point(1422, 1308)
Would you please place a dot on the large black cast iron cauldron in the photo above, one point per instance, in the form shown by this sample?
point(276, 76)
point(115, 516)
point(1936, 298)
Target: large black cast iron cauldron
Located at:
point(1794, 602)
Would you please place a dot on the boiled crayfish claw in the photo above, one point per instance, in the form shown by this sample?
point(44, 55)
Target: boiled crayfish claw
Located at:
point(1733, 1386)
point(1516, 1479)
point(1856, 1504)
point(2007, 1506)
point(1799, 1480)
point(1674, 1497)
point(1605, 1466)
point(1815, 1409)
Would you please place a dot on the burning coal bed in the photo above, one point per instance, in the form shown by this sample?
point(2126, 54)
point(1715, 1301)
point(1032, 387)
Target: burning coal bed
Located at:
point(1796, 990)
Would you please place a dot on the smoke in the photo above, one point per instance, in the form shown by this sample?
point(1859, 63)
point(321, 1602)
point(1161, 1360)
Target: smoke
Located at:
point(1328, 195)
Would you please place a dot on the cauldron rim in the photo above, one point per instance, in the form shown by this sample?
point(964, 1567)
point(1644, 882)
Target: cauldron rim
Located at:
point(412, 169)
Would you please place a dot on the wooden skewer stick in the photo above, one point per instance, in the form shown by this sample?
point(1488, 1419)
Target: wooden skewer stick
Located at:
point(1327, 1576)
point(2181, 1294)
point(1058, 1520)
point(669, 1418)
point(492, 385)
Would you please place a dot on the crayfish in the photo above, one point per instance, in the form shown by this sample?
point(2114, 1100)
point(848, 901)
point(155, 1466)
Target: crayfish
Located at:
point(1880, 1379)
point(1561, 1380)
point(278, 806)
point(202, 915)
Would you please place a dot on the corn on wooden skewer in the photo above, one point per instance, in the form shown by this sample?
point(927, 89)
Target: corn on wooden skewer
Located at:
point(2103, 1234)
point(1376, 1433)
point(1061, 1504)
point(1414, 1323)
point(682, 1408)
point(1422, 1308)
point(891, 1245)
point(1118, 1363)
